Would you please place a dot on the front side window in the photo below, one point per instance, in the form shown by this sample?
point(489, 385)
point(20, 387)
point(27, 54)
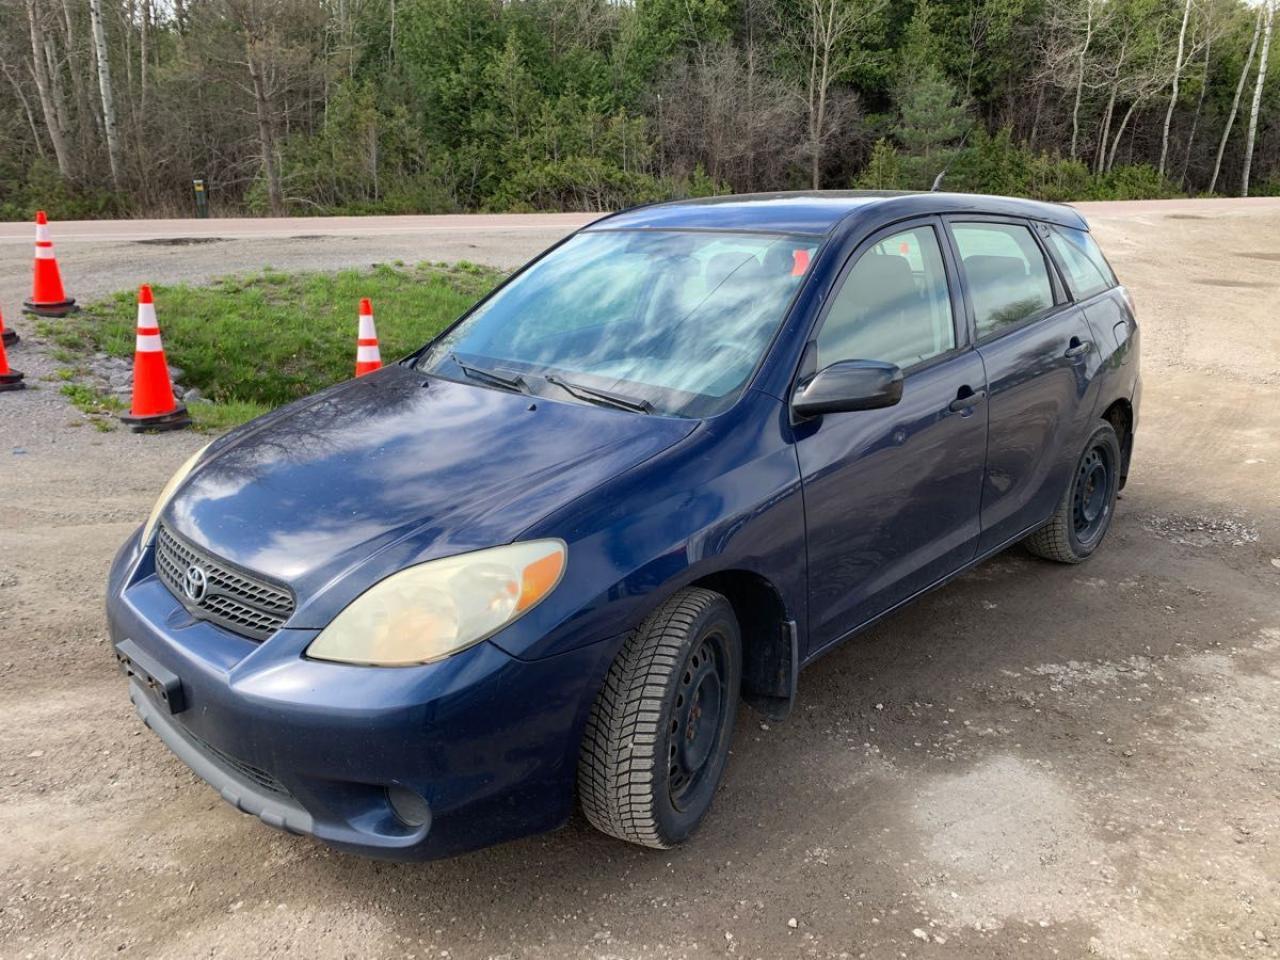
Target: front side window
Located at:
point(677, 320)
point(1007, 276)
point(892, 306)
point(1087, 269)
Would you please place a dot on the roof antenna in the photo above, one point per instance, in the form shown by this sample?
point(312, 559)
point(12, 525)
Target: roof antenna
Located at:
point(937, 181)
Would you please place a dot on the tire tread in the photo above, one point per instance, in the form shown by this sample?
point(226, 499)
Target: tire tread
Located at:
point(616, 771)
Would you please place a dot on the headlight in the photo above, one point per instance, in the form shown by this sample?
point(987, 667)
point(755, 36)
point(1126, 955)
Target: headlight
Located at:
point(435, 609)
point(167, 492)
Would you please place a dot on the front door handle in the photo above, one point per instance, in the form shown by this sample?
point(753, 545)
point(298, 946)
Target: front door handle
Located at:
point(1078, 347)
point(967, 399)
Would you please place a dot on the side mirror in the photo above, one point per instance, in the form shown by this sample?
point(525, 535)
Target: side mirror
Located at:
point(848, 385)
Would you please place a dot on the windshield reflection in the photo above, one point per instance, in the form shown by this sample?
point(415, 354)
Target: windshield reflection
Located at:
point(677, 320)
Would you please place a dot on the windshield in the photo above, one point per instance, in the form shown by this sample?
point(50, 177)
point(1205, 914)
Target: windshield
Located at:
point(665, 321)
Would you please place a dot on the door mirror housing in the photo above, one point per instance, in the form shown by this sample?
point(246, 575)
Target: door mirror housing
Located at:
point(848, 385)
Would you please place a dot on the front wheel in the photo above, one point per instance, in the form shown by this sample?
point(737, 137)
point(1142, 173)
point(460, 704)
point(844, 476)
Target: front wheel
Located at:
point(1084, 514)
point(657, 740)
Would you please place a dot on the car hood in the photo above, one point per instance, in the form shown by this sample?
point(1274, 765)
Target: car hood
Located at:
point(400, 466)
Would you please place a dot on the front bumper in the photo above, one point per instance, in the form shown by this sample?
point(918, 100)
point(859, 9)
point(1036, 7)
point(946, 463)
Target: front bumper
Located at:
point(489, 742)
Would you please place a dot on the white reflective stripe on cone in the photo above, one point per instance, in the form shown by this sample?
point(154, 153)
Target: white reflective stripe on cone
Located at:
point(44, 253)
point(149, 343)
point(366, 327)
point(42, 232)
point(363, 354)
point(147, 315)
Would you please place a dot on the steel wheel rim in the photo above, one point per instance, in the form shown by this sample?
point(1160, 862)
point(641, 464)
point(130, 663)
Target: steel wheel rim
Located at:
point(697, 721)
point(1091, 497)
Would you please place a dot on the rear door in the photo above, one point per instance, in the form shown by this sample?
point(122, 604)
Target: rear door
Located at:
point(891, 495)
point(1040, 356)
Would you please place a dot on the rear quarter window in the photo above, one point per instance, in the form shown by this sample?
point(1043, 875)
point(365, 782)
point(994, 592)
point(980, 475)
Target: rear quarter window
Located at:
point(1087, 269)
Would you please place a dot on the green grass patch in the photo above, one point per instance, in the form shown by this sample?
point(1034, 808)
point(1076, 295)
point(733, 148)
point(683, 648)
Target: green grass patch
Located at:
point(250, 343)
point(101, 408)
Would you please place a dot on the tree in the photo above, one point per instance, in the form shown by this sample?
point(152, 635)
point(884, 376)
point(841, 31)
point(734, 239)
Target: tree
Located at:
point(103, 60)
point(1257, 98)
point(883, 170)
point(50, 104)
point(933, 122)
point(331, 106)
point(824, 37)
point(1235, 102)
point(1177, 76)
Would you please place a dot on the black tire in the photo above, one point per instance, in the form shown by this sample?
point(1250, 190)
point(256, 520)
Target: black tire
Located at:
point(657, 740)
point(1084, 514)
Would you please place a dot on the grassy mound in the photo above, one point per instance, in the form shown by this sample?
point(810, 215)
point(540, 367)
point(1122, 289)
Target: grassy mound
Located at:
point(249, 343)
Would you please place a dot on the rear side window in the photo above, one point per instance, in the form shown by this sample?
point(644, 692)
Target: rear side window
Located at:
point(1087, 270)
point(1007, 277)
point(892, 306)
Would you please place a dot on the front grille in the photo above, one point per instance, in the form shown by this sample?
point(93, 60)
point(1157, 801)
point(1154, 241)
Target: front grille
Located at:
point(242, 603)
point(247, 770)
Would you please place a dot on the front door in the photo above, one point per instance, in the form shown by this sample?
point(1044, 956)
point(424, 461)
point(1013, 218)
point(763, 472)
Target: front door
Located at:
point(892, 495)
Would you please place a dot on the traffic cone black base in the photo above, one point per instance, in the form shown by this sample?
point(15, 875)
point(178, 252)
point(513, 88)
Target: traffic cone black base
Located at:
point(10, 337)
point(175, 419)
point(11, 380)
point(50, 309)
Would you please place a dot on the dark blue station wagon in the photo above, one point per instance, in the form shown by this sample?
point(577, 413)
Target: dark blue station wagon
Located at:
point(663, 467)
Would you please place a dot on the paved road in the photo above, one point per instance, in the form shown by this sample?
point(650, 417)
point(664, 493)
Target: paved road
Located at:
point(426, 227)
point(1034, 762)
point(248, 227)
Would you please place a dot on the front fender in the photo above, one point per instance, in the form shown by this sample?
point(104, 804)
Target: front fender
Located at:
point(725, 498)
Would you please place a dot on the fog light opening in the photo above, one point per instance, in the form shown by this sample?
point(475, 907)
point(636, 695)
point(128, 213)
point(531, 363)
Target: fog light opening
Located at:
point(408, 807)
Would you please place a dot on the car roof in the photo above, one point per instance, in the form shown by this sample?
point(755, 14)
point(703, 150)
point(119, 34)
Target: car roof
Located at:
point(819, 212)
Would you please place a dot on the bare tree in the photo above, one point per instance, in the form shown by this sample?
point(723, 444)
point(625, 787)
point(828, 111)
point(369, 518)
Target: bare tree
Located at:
point(1177, 77)
point(1257, 98)
point(1195, 117)
point(54, 114)
point(1082, 59)
point(823, 35)
point(104, 85)
point(255, 20)
point(705, 122)
point(1235, 102)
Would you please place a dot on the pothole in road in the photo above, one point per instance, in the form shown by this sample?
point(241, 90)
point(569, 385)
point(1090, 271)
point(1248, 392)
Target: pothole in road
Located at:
point(1200, 531)
point(179, 241)
point(1243, 284)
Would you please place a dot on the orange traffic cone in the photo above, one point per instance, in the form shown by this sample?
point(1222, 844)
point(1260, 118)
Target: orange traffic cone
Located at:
point(154, 406)
point(368, 359)
point(10, 379)
point(10, 337)
point(48, 299)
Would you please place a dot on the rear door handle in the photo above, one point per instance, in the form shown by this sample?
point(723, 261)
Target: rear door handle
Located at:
point(1078, 347)
point(970, 399)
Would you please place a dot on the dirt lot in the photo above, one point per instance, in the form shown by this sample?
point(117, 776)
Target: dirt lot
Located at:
point(1036, 761)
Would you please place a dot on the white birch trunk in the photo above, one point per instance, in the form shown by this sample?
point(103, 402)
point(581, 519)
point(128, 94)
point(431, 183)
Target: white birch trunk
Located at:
point(1177, 77)
point(39, 72)
point(1235, 102)
point(104, 85)
point(1257, 99)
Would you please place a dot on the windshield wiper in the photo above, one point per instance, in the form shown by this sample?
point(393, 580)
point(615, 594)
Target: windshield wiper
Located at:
point(603, 397)
point(515, 384)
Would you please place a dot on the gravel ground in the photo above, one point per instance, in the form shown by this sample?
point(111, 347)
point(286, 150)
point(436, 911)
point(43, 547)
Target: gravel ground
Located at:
point(1036, 761)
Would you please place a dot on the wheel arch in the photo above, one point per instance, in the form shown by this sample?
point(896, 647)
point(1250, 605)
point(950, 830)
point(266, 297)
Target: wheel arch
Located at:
point(770, 647)
point(1120, 416)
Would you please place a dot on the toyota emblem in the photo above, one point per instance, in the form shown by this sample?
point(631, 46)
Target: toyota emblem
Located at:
point(195, 583)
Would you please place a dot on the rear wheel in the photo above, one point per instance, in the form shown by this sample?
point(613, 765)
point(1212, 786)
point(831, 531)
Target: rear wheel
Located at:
point(658, 737)
point(1085, 511)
